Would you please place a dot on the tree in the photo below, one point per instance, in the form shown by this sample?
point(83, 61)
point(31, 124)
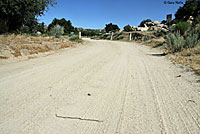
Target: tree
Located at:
point(190, 8)
point(128, 28)
point(68, 28)
point(17, 13)
point(111, 28)
point(40, 27)
point(163, 22)
point(144, 21)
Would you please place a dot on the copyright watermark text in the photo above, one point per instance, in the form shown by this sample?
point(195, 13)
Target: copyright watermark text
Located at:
point(173, 2)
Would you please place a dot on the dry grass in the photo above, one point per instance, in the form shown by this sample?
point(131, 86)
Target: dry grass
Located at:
point(34, 45)
point(17, 53)
point(155, 42)
point(188, 57)
point(65, 45)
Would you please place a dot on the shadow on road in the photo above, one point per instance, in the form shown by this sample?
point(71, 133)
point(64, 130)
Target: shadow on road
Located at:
point(162, 54)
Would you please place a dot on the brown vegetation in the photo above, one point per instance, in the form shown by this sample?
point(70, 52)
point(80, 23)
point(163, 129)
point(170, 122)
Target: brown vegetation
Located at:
point(22, 45)
point(188, 57)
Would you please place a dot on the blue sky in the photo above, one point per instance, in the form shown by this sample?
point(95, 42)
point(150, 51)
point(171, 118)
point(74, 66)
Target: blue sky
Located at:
point(96, 13)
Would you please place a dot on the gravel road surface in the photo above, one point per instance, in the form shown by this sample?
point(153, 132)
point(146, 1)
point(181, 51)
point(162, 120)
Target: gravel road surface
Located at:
point(102, 87)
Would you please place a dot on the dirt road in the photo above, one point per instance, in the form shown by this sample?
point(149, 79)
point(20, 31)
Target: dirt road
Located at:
point(102, 87)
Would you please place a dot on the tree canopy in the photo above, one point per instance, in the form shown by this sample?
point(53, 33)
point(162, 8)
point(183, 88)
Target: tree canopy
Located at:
point(68, 28)
point(17, 13)
point(190, 8)
point(128, 28)
point(144, 21)
point(111, 28)
point(182, 27)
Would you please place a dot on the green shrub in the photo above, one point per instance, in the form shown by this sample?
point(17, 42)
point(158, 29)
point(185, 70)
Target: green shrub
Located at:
point(33, 34)
point(175, 41)
point(197, 19)
point(182, 27)
point(75, 38)
point(24, 29)
point(160, 33)
point(192, 39)
point(57, 31)
point(197, 31)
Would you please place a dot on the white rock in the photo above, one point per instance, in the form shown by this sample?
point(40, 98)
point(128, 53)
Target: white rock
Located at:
point(38, 33)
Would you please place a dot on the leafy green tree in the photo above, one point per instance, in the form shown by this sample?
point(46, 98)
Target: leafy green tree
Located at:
point(40, 27)
point(111, 28)
point(163, 22)
point(68, 28)
point(128, 28)
point(17, 13)
point(190, 8)
point(24, 29)
point(144, 21)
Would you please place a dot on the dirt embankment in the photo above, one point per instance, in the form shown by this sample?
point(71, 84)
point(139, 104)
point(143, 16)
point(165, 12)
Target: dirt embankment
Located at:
point(21, 45)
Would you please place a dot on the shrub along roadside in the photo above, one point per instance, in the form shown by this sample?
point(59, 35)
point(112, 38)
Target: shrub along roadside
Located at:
point(75, 38)
point(174, 42)
point(57, 31)
point(182, 27)
point(191, 41)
